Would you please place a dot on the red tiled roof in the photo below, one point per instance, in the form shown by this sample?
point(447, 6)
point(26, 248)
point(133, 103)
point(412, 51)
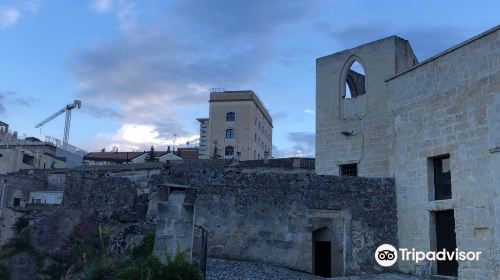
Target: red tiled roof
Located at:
point(188, 153)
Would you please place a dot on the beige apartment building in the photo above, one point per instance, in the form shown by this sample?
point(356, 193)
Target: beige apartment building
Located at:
point(238, 127)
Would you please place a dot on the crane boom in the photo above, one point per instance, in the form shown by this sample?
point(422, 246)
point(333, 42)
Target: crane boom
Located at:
point(76, 105)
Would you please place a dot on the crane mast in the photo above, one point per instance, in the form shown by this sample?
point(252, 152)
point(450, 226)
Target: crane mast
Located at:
point(67, 124)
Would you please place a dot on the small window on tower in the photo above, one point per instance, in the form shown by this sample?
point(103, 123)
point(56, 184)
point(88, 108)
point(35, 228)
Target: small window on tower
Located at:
point(349, 170)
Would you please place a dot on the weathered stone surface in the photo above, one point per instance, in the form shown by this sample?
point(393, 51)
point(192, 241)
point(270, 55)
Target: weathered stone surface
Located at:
point(411, 113)
point(270, 217)
point(267, 217)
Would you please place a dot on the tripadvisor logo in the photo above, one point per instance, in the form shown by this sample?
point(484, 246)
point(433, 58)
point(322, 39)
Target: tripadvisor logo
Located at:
point(386, 255)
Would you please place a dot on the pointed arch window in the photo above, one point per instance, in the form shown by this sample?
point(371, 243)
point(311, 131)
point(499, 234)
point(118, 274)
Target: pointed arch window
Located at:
point(355, 81)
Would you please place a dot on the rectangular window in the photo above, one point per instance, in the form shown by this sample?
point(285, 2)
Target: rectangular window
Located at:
point(230, 117)
point(230, 134)
point(442, 177)
point(349, 169)
point(17, 201)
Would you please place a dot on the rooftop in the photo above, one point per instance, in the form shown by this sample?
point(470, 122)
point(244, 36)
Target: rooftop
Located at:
point(241, 95)
point(119, 157)
point(114, 156)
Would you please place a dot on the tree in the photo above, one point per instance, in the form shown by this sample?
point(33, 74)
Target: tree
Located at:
point(151, 156)
point(215, 154)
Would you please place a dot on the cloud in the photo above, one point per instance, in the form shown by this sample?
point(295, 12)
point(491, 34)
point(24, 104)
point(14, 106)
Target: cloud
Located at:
point(8, 17)
point(101, 5)
point(154, 72)
point(10, 98)
point(100, 112)
point(279, 115)
point(309, 111)
point(137, 137)
point(27, 102)
point(426, 40)
point(228, 18)
point(11, 12)
point(124, 10)
point(303, 146)
point(2, 107)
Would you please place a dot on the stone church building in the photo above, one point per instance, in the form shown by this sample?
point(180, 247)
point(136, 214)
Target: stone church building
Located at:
point(433, 126)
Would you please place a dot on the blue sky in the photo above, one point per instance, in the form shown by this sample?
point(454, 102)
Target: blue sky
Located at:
point(143, 69)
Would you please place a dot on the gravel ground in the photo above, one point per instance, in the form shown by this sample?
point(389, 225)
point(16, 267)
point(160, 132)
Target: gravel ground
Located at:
point(241, 270)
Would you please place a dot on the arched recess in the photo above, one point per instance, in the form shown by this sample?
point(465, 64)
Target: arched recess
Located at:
point(352, 86)
point(327, 252)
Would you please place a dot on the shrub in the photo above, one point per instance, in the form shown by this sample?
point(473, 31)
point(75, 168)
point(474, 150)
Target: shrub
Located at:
point(179, 269)
point(145, 249)
point(4, 272)
point(144, 266)
point(20, 224)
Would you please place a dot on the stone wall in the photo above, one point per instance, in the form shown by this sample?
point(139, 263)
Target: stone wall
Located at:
point(270, 217)
point(12, 187)
point(450, 105)
point(89, 203)
point(367, 116)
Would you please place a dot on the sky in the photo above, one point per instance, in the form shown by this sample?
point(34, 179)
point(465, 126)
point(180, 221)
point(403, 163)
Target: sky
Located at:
point(144, 69)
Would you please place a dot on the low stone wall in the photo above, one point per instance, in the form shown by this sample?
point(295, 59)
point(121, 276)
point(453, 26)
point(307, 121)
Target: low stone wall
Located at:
point(272, 217)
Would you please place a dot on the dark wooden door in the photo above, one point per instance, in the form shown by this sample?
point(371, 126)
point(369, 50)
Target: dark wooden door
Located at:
point(323, 258)
point(446, 239)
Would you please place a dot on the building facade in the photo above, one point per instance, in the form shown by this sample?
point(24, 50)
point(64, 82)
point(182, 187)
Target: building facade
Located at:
point(13, 159)
point(434, 127)
point(238, 127)
point(32, 153)
point(203, 149)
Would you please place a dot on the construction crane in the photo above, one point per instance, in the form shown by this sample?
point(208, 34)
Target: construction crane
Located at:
point(76, 105)
point(191, 141)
